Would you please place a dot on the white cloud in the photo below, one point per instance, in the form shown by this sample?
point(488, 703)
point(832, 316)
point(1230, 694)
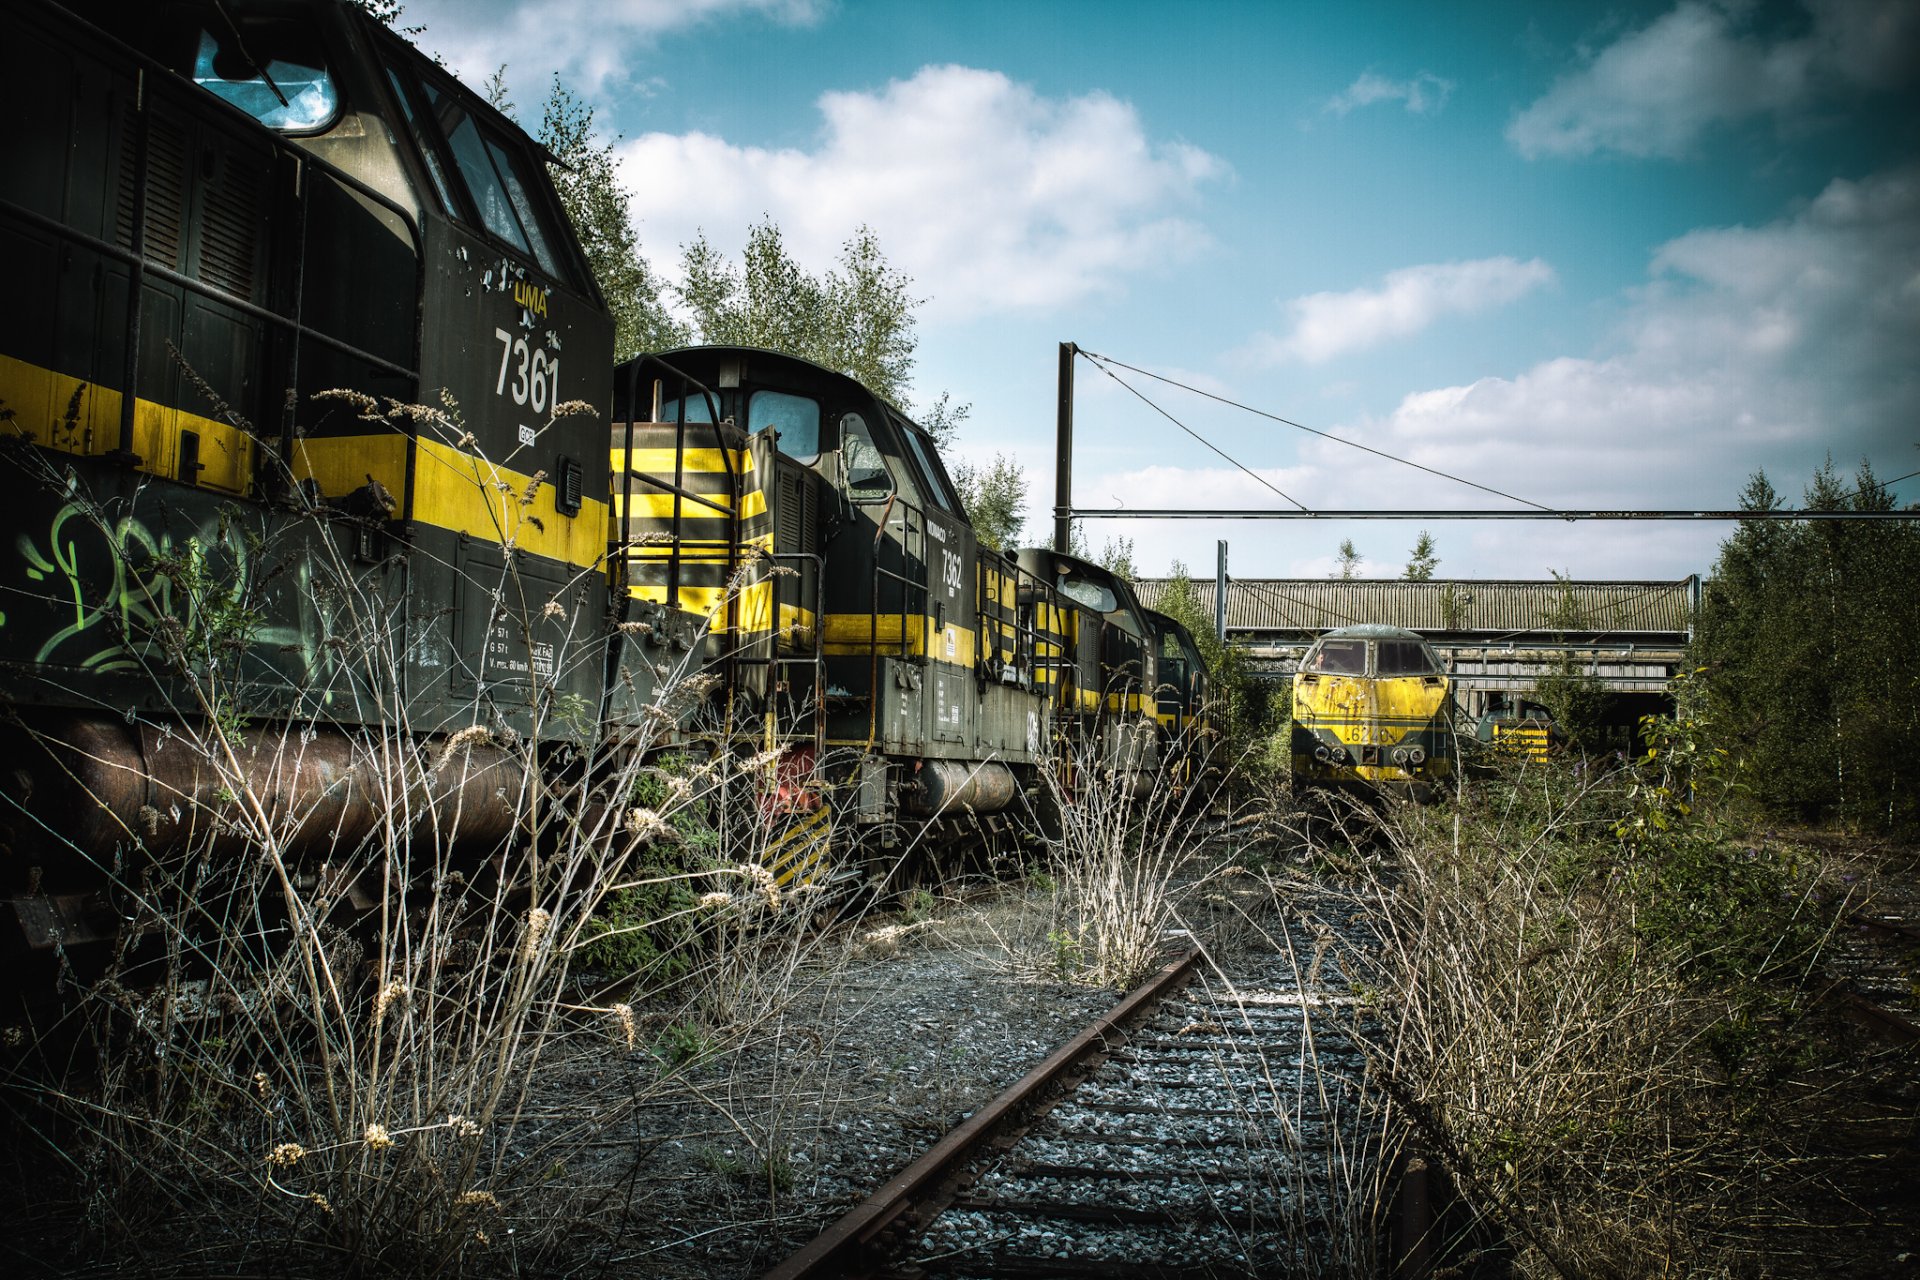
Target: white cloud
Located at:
point(590, 43)
point(1747, 348)
point(1424, 94)
point(1657, 90)
point(1326, 325)
point(992, 197)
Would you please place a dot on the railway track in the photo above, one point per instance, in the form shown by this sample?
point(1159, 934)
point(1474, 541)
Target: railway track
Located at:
point(1212, 1124)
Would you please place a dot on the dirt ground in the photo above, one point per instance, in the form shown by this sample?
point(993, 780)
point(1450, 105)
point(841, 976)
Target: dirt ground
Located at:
point(1851, 1116)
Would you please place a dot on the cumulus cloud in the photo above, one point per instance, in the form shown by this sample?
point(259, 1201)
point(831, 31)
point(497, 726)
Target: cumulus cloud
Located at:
point(992, 197)
point(1656, 90)
point(590, 43)
point(1746, 348)
point(1424, 94)
point(1326, 325)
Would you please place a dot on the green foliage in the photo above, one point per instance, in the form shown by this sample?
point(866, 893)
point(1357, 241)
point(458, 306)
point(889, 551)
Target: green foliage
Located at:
point(1240, 708)
point(1350, 559)
point(995, 498)
point(1422, 561)
point(1116, 555)
point(652, 926)
point(1569, 689)
point(916, 907)
point(591, 193)
point(682, 1043)
point(1069, 953)
point(211, 620)
point(1810, 635)
point(1733, 911)
point(857, 318)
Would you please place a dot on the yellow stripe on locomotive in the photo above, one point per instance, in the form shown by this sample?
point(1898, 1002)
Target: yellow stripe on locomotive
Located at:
point(1372, 709)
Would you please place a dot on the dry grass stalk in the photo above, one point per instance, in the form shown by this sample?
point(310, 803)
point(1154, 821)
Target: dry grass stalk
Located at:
point(1550, 1054)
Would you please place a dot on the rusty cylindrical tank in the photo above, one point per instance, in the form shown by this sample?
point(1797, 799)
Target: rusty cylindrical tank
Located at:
point(95, 784)
point(951, 787)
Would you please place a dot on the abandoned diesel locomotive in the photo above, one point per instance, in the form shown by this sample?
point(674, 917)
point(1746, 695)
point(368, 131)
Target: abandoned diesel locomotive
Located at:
point(302, 344)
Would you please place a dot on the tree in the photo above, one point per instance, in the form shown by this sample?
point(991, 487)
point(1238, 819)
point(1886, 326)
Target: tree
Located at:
point(1349, 561)
point(858, 318)
point(1569, 688)
point(942, 420)
point(1809, 645)
point(995, 498)
point(1116, 556)
point(389, 11)
point(590, 190)
point(1240, 709)
point(1422, 561)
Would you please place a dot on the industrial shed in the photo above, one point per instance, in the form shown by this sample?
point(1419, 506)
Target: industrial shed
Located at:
point(1498, 636)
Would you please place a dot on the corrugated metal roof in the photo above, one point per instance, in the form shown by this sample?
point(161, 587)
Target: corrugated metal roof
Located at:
point(1302, 606)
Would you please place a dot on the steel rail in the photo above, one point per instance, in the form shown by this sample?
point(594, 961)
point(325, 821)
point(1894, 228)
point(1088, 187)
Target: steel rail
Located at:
point(846, 1247)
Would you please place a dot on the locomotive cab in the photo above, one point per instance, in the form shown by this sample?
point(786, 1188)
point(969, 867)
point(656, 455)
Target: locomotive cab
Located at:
point(1372, 709)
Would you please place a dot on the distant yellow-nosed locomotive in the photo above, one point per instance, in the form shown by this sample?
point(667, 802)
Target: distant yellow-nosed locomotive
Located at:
point(1372, 710)
point(301, 349)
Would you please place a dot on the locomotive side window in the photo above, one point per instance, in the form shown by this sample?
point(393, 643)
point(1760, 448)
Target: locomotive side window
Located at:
point(275, 72)
point(429, 147)
point(929, 475)
point(1405, 658)
point(866, 469)
point(1343, 657)
point(796, 418)
point(500, 185)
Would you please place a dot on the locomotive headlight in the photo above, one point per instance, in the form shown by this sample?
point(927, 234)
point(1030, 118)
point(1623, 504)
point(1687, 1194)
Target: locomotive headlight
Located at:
point(1339, 753)
point(1418, 755)
point(1399, 755)
point(1320, 754)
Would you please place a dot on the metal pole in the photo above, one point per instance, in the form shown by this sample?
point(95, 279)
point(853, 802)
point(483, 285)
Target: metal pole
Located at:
point(1063, 455)
point(1220, 591)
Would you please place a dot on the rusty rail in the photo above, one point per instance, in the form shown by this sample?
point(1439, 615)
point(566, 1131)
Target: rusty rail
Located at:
point(846, 1247)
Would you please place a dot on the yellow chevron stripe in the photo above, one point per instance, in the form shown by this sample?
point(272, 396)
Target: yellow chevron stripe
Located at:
point(659, 506)
point(660, 461)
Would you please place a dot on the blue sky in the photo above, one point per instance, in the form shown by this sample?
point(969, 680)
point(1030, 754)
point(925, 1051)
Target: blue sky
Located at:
point(1592, 255)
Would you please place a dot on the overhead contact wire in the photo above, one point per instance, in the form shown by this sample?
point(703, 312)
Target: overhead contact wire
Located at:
point(1100, 362)
point(1297, 426)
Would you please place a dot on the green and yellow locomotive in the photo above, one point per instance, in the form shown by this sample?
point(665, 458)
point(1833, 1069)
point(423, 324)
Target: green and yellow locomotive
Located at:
point(303, 346)
point(1372, 711)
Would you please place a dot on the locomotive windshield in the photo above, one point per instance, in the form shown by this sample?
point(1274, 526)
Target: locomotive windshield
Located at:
point(477, 171)
point(1405, 658)
point(1343, 657)
point(932, 479)
point(275, 72)
point(796, 418)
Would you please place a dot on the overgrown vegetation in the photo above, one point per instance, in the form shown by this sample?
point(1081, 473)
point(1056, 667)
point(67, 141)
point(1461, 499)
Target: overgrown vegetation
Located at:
point(319, 1043)
point(1591, 979)
point(1810, 636)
